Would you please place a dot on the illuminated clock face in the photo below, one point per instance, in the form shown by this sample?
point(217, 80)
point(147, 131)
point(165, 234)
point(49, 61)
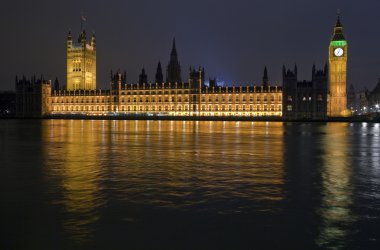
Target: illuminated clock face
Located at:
point(338, 52)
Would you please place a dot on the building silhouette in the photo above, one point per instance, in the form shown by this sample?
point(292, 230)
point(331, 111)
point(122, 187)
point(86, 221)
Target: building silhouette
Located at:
point(173, 71)
point(305, 99)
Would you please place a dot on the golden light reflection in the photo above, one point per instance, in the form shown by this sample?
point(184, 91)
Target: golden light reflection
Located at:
point(77, 172)
point(337, 193)
point(232, 159)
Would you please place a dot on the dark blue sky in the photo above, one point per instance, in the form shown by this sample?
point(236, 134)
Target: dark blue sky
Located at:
point(233, 40)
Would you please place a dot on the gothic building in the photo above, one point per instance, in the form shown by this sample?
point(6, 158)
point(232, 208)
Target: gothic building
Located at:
point(305, 99)
point(192, 97)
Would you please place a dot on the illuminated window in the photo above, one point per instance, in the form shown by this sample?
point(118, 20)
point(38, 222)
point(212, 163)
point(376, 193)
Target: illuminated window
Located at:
point(289, 107)
point(290, 99)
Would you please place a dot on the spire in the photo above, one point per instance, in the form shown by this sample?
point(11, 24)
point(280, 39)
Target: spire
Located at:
point(159, 75)
point(143, 78)
point(265, 77)
point(173, 72)
point(174, 50)
point(338, 23)
point(338, 30)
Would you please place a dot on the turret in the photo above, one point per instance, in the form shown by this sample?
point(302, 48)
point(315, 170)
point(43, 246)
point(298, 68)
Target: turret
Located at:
point(69, 40)
point(265, 77)
point(159, 75)
point(93, 41)
point(143, 78)
point(56, 84)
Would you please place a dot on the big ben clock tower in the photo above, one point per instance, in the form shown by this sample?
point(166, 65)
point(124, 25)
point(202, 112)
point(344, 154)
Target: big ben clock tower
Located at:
point(338, 50)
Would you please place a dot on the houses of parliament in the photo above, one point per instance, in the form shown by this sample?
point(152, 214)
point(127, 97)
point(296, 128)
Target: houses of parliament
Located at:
point(324, 95)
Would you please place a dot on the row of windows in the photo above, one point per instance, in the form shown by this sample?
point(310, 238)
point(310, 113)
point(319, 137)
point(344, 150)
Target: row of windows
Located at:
point(160, 99)
point(171, 108)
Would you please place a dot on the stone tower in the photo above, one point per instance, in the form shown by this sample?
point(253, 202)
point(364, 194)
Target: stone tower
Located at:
point(81, 63)
point(338, 51)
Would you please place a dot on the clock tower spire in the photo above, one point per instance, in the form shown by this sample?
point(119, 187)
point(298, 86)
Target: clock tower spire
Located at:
point(337, 106)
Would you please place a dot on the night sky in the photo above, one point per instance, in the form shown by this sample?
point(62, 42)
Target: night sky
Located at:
point(233, 40)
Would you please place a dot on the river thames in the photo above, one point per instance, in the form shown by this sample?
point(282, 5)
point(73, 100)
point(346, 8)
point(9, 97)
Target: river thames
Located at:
point(72, 184)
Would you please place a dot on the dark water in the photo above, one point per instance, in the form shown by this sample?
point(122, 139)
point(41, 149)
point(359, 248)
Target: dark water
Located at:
point(188, 185)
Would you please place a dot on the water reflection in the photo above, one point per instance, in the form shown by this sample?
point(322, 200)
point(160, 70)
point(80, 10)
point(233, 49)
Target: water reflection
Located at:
point(190, 185)
point(72, 153)
point(182, 164)
point(337, 188)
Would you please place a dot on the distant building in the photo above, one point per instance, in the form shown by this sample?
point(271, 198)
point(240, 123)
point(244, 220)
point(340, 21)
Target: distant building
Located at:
point(305, 99)
point(362, 102)
point(81, 63)
point(374, 97)
point(351, 98)
point(7, 103)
